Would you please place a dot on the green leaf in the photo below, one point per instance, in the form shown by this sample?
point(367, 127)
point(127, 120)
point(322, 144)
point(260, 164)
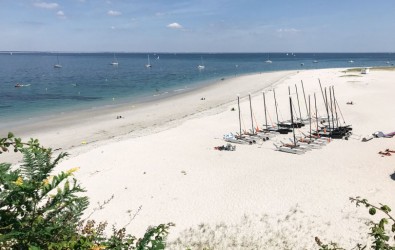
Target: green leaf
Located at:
point(372, 211)
point(10, 135)
point(386, 208)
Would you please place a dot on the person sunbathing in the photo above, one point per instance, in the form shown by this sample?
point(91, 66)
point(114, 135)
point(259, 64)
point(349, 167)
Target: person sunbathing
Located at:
point(385, 153)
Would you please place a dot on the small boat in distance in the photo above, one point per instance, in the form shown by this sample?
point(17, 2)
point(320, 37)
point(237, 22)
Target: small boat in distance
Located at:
point(148, 65)
point(268, 59)
point(365, 71)
point(201, 65)
point(57, 65)
point(351, 61)
point(18, 85)
point(114, 61)
point(315, 61)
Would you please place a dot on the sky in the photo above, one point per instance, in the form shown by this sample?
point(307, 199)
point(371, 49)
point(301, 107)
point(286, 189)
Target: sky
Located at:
point(197, 25)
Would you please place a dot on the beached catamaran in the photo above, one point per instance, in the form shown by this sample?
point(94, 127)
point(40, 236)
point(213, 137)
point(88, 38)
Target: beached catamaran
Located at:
point(256, 132)
point(239, 137)
point(294, 147)
point(331, 127)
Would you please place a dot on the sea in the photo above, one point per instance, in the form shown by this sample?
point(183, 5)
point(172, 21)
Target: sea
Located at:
point(89, 81)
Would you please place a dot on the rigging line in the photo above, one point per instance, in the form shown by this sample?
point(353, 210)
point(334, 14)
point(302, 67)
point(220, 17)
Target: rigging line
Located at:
point(304, 95)
point(340, 112)
point(270, 118)
point(281, 115)
point(334, 104)
point(297, 96)
point(294, 110)
point(256, 123)
point(243, 123)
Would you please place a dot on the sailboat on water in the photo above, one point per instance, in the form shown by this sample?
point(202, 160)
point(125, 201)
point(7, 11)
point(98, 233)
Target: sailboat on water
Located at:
point(114, 61)
point(268, 59)
point(57, 65)
point(148, 65)
point(201, 65)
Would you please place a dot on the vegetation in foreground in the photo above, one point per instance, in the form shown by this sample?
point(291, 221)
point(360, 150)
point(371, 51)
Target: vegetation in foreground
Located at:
point(41, 210)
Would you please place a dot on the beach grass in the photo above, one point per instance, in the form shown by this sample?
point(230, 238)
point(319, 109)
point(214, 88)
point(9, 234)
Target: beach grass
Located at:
point(385, 68)
point(351, 76)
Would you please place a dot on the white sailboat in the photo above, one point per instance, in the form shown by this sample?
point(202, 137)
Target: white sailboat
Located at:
point(148, 65)
point(201, 65)
point(57, 65)
point(114, 61)
point(268, 59)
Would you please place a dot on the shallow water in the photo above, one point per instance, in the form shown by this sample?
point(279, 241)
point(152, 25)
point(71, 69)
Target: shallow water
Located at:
point(87, 80)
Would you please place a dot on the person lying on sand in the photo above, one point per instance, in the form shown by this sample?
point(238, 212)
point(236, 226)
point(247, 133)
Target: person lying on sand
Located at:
point(385, 153)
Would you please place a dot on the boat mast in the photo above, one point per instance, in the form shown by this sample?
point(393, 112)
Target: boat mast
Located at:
point(310, 117)
point(304, 95)
point(264, 106)
point(327, 110)
point(323, 97)
point(252, 121)
point(330, 99)
point(238, 105)
point(292, 110)
point(292, 120)
point(275, 104)
point(334, 104)
point(297, 96)
point(316, 112)
point(325, 101)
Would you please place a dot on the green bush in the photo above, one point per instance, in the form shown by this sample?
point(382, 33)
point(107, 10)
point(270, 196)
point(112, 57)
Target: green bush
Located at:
point(41, 210)
point(381, 232)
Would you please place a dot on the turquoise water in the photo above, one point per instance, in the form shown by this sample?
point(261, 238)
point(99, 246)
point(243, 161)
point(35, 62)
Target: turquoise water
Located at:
point(88, 80)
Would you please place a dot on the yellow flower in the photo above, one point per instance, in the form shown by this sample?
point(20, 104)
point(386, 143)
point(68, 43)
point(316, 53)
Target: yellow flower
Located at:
point(99, 247)
point(19, 181)
point(48, 180)
point(45, 182)
point(71, 171)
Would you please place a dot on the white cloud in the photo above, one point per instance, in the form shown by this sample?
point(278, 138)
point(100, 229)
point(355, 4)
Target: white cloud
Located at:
point(291, 30)
point(45, 5)
point(174, 26)
point(61, 14)
point(114, 13)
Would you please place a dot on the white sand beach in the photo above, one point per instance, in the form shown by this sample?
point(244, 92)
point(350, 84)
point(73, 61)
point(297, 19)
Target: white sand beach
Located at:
point(161, 157)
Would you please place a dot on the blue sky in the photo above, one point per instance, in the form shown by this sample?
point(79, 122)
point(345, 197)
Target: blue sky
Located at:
point(198, 25)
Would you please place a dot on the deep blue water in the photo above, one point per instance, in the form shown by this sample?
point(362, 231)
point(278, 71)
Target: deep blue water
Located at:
point(88, 80)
